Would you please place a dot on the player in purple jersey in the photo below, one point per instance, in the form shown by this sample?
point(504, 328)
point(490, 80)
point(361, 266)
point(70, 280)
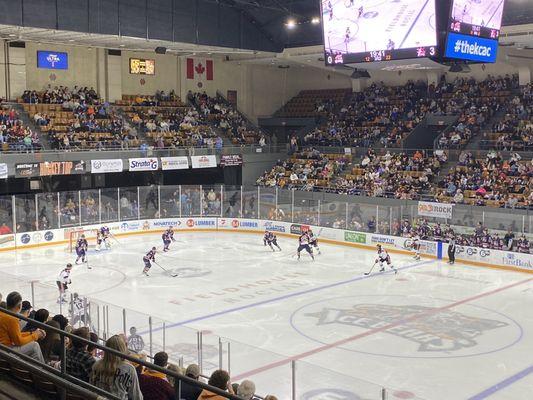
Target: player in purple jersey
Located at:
point(168, 237)
point(148, 259)
point(81, 249)
point(271, 240)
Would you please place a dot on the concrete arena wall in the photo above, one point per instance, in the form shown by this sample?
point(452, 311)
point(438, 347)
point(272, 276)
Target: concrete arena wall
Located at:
point(469, 255)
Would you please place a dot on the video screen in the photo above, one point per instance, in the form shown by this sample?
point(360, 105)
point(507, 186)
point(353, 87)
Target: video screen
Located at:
point(477, 17)
point(358, 31)
point(142, 66)
point(52, 60)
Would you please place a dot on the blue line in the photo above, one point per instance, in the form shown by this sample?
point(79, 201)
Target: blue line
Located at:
point(287, 296)
point(413, 25)
point(503, 384)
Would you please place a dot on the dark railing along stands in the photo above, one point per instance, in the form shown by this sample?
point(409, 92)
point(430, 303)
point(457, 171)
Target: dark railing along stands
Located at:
point(62, 376)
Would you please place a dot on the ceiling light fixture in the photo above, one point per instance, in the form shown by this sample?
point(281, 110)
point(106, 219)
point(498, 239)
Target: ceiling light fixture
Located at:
point(291, 23)
point(315, 20)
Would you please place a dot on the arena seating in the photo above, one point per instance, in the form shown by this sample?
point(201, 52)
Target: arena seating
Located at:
point(312, 103)
point(14, 135)
point(514, 131)
point(226, 117)
point(493, 181)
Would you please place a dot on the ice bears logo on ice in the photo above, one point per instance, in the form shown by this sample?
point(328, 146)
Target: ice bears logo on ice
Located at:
point(444, 330)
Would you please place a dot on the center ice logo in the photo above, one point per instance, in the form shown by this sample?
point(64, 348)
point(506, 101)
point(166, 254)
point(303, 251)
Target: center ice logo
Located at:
point(430, 328)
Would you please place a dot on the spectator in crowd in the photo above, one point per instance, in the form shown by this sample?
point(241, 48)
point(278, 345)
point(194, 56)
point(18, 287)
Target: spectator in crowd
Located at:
point(51, 344)
point(25, 312)
point(41, 315)
point(11, 335)
point(188, 391)
point(246, 390)
point(219, 379)
point(115, 375)
point(80, 361)
point(154, 385)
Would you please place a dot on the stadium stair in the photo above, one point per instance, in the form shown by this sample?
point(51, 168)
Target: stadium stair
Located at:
point(27, 121)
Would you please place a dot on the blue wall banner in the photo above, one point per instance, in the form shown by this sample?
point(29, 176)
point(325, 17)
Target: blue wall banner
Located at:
point(52, 60)
point(472, 48)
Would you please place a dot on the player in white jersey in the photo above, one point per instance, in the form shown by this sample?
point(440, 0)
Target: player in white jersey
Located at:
point(384, 258)
point(80, 312)
point(63, 280)
point(303, 244)
point(415, 245)
point(313, 240)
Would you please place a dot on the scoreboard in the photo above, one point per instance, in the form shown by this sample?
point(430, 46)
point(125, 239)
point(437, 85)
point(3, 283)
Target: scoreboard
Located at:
point(142, 66)
point(358, 31)
point(364, 31)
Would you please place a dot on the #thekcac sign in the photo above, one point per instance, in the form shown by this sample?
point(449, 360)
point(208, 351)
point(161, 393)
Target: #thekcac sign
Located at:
point(30, 170)
point(231, 160)
point(435, 210)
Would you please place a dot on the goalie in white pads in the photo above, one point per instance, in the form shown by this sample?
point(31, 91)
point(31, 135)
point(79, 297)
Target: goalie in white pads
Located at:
point(102, 238)
point(384, 258)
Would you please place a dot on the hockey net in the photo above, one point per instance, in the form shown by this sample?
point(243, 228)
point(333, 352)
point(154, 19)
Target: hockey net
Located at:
point(90, 236)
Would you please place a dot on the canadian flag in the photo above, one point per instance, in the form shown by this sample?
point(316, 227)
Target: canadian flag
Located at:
point(200, 69)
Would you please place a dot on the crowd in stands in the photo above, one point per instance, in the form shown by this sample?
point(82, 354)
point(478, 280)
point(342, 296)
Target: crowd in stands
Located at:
point(379, 113)
point(78, 119)
point(69, 98)
point(226, 117)
point(395, 175)
point(513, 132)
point(103, 369)
point(14, 135)
point(174, 127)
point(491, 181)
point(475, 102)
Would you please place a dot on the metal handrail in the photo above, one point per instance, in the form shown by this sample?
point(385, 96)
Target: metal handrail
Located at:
point(177, 376)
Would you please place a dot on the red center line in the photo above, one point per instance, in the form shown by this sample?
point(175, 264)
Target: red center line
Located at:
point(374, 331)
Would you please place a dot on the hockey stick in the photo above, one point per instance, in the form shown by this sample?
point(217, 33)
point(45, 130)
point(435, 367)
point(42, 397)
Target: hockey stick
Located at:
point(87, 262)
point(368, 273)
point(166, 270)
point(114, 237)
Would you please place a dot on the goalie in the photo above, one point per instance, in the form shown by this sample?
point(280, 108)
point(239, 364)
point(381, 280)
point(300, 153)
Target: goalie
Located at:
point(102, 239)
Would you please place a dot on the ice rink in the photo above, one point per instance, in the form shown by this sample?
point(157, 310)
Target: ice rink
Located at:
point(431, 332)
point(479, 12)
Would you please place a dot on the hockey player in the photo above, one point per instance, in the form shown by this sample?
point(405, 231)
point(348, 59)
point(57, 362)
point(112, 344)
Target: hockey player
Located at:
point(303, 241)
point(383, 257)
point(313, 240)
point(150, 256)
point(99, 241)
point(415, 245)
point(271, 240)
point(63, 280)
point(81, 249)
point(104, 230)
point(168, 237)
point(79, 311)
